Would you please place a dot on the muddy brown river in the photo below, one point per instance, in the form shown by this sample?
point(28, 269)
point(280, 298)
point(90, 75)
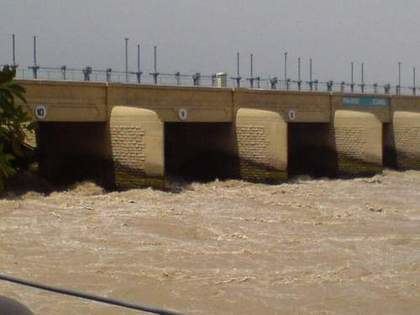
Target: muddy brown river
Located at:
point(304, 247)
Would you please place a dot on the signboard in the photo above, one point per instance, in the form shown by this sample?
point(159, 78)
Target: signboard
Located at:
point(183, 114)
point(292, 114)
point(367, 101)
point(41, 112)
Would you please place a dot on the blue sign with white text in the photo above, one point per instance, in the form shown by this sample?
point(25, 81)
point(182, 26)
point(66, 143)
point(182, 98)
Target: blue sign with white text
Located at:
point(367, 101)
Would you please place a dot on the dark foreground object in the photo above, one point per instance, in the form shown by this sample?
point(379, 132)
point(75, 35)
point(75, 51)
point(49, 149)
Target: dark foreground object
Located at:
point(12, 307)
point(77, 294)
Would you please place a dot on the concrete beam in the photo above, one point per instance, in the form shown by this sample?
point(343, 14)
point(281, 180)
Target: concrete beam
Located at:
point(67, 101)
point(199, 104)
point(292, 106)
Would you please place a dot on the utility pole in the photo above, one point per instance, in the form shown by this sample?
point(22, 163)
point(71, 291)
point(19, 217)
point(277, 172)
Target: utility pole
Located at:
point(398, 89)
point(139, 72)
point(299, 75)
point(362, 85)
point(126, 59)
point(285, 71)
point(14, 51)
point(238, 72)
point(310, 75)
point(251, 73)
point(155, 73)
point(35, 66)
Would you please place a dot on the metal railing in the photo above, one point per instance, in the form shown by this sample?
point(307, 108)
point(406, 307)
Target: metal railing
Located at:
point(89, 74)
point(253, 81)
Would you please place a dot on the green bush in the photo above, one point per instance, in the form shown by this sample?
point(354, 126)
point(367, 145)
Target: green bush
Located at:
point(14, 121)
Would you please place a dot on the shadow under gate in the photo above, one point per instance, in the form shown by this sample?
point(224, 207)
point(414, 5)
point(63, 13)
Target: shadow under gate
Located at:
point(200, 151)
point(311, 150)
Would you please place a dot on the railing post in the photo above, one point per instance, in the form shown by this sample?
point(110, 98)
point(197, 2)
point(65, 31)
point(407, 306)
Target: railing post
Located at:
point(108, 75)
point(138, 76)
point(273, 83)
point(330, 86)
point(63, 72)
point(213, 80)
point(178, 78)
point(196, 79)
point(87, 72)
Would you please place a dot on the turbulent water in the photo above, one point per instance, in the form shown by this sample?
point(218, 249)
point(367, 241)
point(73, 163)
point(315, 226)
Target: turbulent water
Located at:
point(306, 247)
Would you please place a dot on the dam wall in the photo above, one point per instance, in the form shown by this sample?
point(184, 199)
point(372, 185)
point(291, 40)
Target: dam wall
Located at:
point(140, 135)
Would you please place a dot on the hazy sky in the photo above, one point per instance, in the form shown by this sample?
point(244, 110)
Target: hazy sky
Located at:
point(203, 35)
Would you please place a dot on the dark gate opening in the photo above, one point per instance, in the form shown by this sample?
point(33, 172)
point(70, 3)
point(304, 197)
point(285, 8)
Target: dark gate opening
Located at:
point(70, 152)
point(199, 151)
point(311, 150)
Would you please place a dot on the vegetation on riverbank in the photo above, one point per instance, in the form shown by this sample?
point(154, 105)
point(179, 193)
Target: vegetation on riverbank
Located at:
point(14, 122)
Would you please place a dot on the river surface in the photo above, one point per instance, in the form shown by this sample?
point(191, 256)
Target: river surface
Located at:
point(303, 247)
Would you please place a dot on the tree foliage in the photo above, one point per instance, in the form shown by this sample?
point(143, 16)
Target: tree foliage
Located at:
point(14, 121)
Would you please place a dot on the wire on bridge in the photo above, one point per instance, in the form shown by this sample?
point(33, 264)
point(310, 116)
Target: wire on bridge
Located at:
point(86, 296)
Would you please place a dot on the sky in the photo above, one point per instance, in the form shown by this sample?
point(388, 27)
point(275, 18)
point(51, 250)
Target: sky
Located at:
point(204, 36)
